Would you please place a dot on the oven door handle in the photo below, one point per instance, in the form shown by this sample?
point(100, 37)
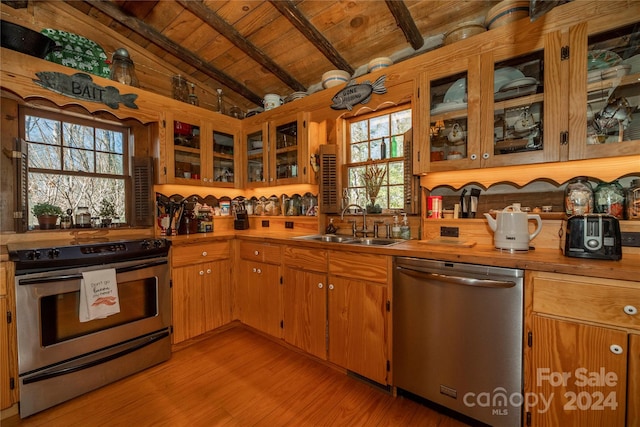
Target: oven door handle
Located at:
point(65, 277)
point(137, 345)
point(456, 280)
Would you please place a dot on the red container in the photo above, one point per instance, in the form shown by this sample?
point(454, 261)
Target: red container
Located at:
point(180, 128)
point(434, 207)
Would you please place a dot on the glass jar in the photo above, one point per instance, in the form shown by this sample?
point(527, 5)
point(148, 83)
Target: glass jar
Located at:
point(609, 199)
point(633, 200)
point(578, 197)
point(83, 217)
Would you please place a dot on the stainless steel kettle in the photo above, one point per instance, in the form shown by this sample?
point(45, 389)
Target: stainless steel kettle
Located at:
point(511, 228)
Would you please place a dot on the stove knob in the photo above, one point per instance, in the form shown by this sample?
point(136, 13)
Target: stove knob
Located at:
point(33, 255)
point(54, 253)
point(157, 243)
point(146, 244)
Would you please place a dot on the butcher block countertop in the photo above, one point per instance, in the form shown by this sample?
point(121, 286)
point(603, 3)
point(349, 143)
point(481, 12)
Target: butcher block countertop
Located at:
point(550, 260)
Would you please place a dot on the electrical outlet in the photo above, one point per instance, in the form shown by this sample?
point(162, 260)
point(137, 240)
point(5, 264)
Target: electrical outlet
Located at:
point(630, 238)
point(265, 222)
point(288, 224)
point(449, 232)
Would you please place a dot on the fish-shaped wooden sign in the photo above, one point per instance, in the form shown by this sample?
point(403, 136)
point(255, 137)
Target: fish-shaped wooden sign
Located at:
point(355, 93)
point(81, 86)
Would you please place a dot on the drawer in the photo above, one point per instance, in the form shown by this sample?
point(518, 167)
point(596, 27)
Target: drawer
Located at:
point(305, 259)
point(199, 252)
point(611, 302)
point(261, 252)
point(359, 266)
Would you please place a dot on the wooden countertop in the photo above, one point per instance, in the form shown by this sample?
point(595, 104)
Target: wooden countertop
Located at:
point(551, 260)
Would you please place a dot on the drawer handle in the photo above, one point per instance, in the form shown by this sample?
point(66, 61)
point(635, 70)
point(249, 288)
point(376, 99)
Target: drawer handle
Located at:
point(330, 286)
point(320, 285)
point(208, 271)
point(616, 349)
point(258, 271)
point(204, 253)
point(256, 253)
point(630, 310)
point(201, 273)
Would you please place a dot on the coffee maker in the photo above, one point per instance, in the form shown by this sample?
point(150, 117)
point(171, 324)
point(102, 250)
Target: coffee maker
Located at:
point(241, 221)
point(188, 220)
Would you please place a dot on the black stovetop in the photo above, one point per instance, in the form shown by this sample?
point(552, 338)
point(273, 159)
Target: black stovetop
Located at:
point(66, 253)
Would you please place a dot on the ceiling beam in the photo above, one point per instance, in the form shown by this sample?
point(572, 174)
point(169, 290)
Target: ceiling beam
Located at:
point(221, 26)
point(291, 12)
point(157, 38)
point(406, 23)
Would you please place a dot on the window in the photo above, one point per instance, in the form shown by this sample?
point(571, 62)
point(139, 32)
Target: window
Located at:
point(75, 163)
point(376, 163)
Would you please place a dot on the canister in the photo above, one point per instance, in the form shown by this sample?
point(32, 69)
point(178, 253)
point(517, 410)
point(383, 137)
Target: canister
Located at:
point(633, 200)
point(434, 207)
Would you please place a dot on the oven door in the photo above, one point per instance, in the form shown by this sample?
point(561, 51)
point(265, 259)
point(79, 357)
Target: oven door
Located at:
point(49, 329)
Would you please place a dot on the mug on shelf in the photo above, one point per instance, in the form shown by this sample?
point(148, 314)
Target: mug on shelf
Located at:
point(271, 101)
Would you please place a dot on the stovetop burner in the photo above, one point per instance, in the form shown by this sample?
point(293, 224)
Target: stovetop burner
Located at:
point(53, 255)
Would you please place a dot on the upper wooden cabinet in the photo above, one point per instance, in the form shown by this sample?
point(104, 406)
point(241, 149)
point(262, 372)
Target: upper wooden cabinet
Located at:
point(554, 96)
point(199, 150)
point(278, 151)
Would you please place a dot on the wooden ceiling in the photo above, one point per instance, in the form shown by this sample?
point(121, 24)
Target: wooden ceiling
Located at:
point(249, 48)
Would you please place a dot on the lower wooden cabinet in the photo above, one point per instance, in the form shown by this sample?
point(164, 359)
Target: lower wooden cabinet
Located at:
point(260, 287)
point(201, 293)
point(584, 351)
point(8, 347)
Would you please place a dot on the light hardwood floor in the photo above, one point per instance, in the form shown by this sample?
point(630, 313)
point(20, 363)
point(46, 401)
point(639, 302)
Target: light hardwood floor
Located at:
point(238, 378)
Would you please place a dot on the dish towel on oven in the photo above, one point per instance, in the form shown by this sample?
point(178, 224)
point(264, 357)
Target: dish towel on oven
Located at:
point(98, 294)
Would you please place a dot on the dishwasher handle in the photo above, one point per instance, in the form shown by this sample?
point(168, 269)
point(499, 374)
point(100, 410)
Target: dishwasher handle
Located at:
point(458, 280)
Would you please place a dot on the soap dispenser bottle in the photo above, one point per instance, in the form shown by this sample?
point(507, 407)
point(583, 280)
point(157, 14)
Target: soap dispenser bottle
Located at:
point(331, 228)
point(405, 230)
point(395, 228)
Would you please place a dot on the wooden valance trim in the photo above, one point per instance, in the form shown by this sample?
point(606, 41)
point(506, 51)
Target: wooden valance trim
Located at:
point(605, 169)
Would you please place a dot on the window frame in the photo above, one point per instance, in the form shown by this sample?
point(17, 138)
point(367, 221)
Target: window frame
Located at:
point(347, 164)
point(95, 123)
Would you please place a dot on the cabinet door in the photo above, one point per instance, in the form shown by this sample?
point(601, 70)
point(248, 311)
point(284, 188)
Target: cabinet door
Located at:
point(580, 371)
point(305, 310)
point(605, 90)
point(633, 388)
point(188, 308)
point(217, 293)
point(357, 327)
point(256, 140)
point(222, 163)
point(5, 373)
point(185, 144)
point(289, 144)
point(260, 296)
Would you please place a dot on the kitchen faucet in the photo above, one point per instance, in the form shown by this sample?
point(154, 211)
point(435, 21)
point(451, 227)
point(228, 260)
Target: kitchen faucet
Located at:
point(364, 220)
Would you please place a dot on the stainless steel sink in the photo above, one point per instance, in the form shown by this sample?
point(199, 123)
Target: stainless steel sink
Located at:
point(351, 240)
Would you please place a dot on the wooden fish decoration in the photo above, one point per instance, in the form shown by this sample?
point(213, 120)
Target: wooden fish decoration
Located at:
point(355, 93)
point(81, 86)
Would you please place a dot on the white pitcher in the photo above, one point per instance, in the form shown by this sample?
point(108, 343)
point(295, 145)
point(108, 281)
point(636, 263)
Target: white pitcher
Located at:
point(511, 228)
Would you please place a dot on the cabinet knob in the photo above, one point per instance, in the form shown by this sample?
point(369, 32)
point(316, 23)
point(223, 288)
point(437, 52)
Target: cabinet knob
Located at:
point(630, 310)
point(616, 349)
point(254, 269)
point(208, 271)
point(485, 156)
point(256, 253)
point(330, 286)
point(320, 285)
point(258, 271)
point(201, 273)
point(474, 156)
point(204, 253)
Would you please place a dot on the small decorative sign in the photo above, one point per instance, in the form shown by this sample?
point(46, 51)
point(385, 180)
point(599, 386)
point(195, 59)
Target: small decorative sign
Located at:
point(355, 93)
point(81, 86)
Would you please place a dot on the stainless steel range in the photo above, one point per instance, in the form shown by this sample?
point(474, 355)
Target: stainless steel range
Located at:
point(60, 356)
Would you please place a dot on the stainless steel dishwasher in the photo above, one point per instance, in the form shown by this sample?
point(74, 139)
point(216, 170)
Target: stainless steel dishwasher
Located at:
point(458, 337)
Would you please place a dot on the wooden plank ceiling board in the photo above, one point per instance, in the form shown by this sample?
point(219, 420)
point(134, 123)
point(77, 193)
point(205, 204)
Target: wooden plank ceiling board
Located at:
point(249, 48)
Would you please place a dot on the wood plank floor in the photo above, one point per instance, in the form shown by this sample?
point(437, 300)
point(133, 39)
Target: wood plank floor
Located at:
point(238, 378)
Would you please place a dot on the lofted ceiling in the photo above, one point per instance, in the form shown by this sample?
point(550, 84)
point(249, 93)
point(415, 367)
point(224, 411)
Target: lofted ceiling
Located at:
point(249, 48)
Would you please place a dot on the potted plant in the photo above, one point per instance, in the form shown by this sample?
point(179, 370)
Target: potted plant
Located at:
point(107, 212)
point(47, 215)
point(373, 178)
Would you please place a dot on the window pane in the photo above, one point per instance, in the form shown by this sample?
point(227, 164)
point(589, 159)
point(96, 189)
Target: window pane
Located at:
point(42, 130)
point(44, 156)
point(396, 173)
point(376, 150)
point(78, 160)
point(108, 140)
point(400, 122)
point(396, 197)
point(359, 152)
point(78, 136)
point(379, 126)
point(359, 131)
point(109, 163)
point(69, 192)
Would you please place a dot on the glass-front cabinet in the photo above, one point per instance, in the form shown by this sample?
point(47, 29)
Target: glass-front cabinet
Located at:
point(278, 151)
point(605, 120)
point(200, 152)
